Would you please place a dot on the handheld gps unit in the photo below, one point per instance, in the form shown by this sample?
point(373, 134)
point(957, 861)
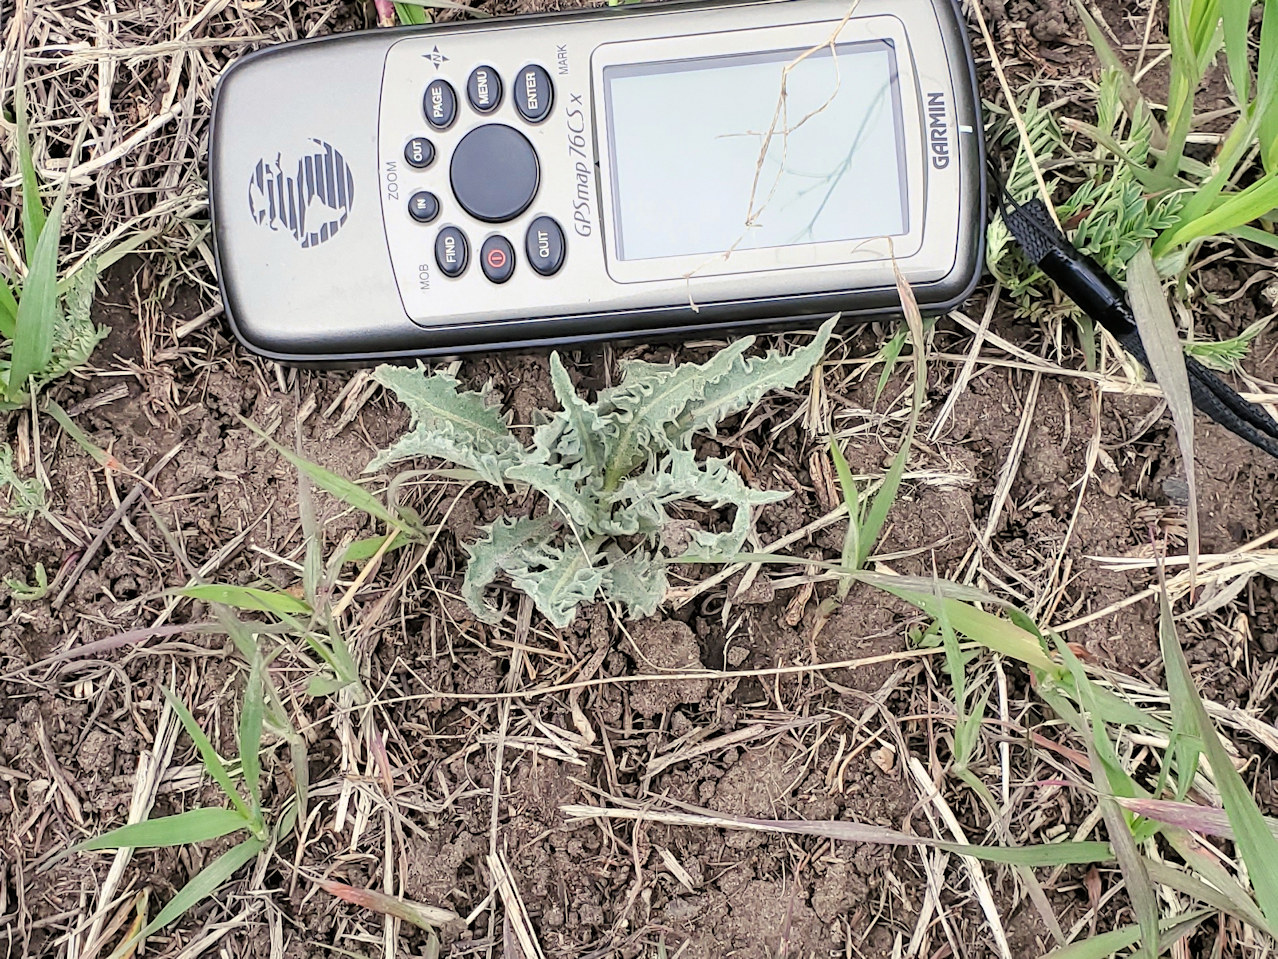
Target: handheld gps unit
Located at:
point(643, 171)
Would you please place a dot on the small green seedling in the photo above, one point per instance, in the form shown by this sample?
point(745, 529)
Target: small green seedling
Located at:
point(45, 324)
point(608, 470)
point(245, 814)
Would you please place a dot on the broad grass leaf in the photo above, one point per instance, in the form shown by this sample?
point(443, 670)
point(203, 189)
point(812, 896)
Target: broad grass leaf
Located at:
point(37, 310)
point(247, 597)
point(33, 216)
point(207, 881)
point(8, 309)
point(352, 494)
point(252, 711)
point(1256, 843)
point(1167, 360)
point(212, 762)
point(194, 825)
point(1109, 943)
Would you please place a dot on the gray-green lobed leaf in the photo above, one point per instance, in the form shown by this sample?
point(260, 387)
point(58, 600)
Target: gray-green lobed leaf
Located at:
point(609, 470)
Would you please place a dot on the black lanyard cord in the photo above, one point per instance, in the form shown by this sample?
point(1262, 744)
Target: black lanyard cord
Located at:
point(1097, 294)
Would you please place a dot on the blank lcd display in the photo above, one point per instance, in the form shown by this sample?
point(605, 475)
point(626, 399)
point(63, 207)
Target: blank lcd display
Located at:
point(686, 137)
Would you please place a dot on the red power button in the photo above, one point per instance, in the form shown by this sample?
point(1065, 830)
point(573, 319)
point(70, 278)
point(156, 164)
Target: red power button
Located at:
point(497, 257)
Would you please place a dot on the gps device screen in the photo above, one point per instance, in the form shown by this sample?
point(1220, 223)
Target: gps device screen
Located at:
point(685, 138)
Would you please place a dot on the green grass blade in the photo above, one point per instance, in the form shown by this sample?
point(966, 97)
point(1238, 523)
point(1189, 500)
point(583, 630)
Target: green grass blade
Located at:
point(212, 762)
point(247, 597)
point(1256, 844)
point(996, 634)
point(1267, 87)
point(352, 494)
point(202, 885)
point(1239, 905)
point(1128, 92)
point(1235, 17)
point(34, 320)
point(251, 714)
point(1109, 943)
point(1167, 360)
point(33, 218)
point(194, 825)
point(8, 309)
point(1237, 210)
point(410, 14)
point(876, 515)
point(851, 500)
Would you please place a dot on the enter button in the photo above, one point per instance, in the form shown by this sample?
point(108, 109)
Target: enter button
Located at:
point(544, 244)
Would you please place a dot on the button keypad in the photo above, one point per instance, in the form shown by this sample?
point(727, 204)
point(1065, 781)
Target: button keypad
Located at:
point(452, 251)
point(493, 172)
point(483, 89)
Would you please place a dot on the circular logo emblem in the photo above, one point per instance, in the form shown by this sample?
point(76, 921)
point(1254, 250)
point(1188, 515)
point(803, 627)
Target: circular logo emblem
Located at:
point(309, 197)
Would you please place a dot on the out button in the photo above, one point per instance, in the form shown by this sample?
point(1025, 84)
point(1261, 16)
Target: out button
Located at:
point(497, 259)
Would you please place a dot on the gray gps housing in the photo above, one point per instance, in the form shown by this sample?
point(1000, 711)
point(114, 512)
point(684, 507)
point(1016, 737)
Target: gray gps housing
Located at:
point(630, 171)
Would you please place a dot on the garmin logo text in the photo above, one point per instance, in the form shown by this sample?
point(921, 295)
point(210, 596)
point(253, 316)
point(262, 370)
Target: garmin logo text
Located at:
point(938, 130)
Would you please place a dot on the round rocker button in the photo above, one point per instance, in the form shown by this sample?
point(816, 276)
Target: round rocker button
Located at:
point(423, 207)
point(483, 89)
point(452, 252)
point(439, 103)
point(544, 244)
point(494, 173)
point(534, 93)
point(497, 259)
point(419, 152)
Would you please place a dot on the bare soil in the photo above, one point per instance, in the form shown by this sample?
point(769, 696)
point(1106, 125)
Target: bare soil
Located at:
point(471, 715)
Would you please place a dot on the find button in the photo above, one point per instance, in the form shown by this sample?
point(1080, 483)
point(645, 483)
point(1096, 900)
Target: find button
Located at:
point(451, 251)
point(497, 258)
point(544, 244)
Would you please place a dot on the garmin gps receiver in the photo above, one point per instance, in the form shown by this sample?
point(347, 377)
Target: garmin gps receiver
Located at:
point(644, 171)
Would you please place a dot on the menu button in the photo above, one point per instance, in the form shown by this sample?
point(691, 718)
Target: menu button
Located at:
point(483, 89)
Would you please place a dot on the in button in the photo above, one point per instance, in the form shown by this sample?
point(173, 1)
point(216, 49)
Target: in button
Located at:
point(423, 206)
point(483, 89)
